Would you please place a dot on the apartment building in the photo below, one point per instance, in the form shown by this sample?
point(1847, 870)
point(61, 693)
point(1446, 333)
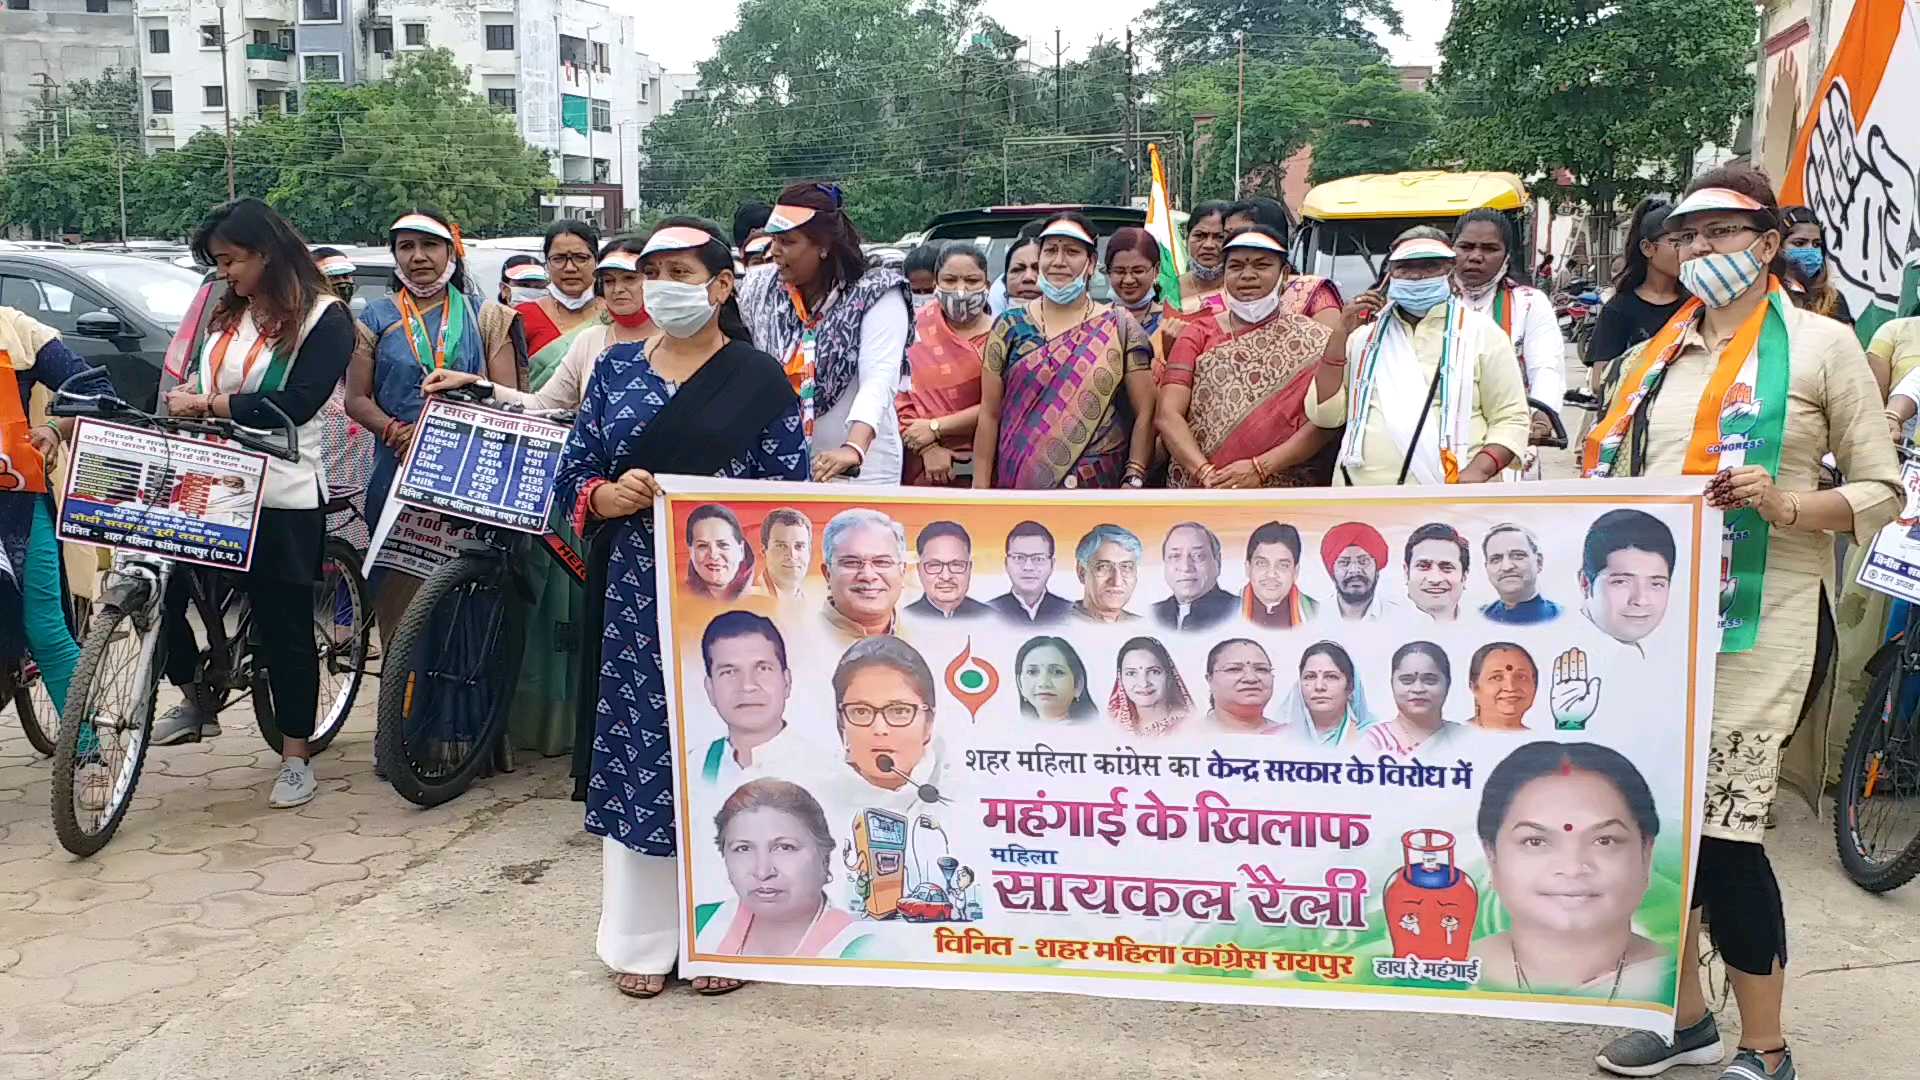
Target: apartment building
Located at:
point(43, 43)
point(567, 70)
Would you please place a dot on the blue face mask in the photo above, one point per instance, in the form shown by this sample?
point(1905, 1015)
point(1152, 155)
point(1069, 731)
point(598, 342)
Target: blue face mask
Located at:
point(1419, 297)
point(1064, 294)
point(1809, 261)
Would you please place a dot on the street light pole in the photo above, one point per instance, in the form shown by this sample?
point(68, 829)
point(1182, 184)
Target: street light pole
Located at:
point(226, 96)
point(1239, 112)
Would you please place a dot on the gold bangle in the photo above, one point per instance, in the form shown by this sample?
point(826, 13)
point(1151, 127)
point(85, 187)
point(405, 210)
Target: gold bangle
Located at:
point(1793, 503)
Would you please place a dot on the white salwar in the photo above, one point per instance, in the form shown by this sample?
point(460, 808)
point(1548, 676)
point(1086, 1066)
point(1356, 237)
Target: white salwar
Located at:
point(639, 910)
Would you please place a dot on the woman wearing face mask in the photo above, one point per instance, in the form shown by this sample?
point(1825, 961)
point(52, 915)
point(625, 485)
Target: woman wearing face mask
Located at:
point(523, 280)
point(1232, 398)
point(696, 399)
point(569, 304)
point(839, 327)
point(1066, 386)
point(427, 324)
point(922, 270)
point(1483, 273)
point(1745, 387)
point(1812, 271)
point(1430, 393)
point(545, 713)
point(1133, 273)
point(938, 414)
point(1206, 259)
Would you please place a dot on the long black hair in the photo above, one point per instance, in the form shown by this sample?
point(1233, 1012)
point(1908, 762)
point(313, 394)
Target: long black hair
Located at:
point(290, 284)
point(716, 256)
point(1501, 223)
point(1648, 225)
point(459, 279)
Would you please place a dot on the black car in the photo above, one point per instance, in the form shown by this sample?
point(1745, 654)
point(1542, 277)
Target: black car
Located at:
point(993, 230)
point(118, 312)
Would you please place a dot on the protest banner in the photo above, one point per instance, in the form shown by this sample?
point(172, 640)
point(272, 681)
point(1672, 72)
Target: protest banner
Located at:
point(1892, 562)
point(413, 541)
point(486, 465)
point(187, 499)
point(1368, 748)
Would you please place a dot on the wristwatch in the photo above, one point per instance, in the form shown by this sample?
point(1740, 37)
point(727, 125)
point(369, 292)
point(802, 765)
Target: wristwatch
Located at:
point(1134, 482)
point(936, 427)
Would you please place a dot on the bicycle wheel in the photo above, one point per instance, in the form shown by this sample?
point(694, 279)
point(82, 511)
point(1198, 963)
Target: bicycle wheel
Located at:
point(447, 681)
point(35, 709)
point(342, 624)
point(1876, 821)
point(103, 736)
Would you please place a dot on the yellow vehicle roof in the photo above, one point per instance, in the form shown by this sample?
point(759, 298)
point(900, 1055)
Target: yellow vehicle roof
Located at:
point(1413, 194)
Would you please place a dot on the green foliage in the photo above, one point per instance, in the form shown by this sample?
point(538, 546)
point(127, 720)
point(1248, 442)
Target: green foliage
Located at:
point(353, 159)
point(1617, 92)
point(1188, 32)
point(1373, 126)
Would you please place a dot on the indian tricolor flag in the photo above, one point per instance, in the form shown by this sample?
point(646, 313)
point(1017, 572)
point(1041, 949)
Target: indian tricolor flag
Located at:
point(1173, 260)
point(1855, 158)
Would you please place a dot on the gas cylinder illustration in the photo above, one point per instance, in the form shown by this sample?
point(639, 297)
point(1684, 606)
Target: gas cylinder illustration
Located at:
point(1431, 906)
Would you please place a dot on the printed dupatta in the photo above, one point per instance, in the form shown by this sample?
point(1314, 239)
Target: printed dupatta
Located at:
point(1390, 369)
point(1740, 420)
point(1250, 391)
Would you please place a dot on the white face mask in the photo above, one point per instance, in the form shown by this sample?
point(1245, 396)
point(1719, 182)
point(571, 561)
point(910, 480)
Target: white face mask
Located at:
point(1254, 311)
point(520, 295)
point(571, 303)
point(677, 307)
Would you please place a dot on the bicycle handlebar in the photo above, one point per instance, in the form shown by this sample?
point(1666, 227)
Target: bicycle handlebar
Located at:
point(109, 407)
point(1558, 441)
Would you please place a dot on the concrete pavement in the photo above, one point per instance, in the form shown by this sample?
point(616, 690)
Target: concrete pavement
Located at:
point(365, 938)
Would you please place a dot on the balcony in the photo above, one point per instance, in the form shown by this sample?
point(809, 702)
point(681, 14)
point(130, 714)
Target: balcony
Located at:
point(269, 63)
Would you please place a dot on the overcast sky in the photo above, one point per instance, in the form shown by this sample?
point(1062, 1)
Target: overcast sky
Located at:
point(680, 35)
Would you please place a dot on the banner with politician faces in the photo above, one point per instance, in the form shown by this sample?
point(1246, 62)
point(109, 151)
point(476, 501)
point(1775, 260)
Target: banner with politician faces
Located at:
point(1363, 748)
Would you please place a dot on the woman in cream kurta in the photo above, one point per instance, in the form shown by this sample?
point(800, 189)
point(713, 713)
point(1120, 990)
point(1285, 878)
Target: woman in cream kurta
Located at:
point(1833, 407)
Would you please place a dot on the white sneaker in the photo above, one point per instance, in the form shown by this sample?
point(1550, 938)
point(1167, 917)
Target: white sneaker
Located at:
point(295, 785)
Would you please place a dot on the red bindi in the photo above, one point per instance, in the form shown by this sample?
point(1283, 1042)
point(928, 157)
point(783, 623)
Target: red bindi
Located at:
point(1566, 768)
point(1567, 827)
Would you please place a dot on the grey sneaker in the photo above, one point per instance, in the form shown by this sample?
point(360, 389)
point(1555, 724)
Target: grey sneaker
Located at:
point(183, 724)
point(1642, 1053)
point(1750, 1065)
point(295, 786)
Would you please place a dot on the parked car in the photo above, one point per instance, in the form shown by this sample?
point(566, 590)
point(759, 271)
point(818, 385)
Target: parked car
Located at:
point(117, 311)
point(993, 229)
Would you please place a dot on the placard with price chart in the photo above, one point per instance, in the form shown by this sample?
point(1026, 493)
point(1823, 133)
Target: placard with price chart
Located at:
point(483, 464)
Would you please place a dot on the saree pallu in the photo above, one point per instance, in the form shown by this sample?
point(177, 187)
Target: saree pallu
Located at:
point(546, 357)
point(1064, 416)
point(946, 380)
point(1250, 393)
point(1305, 294)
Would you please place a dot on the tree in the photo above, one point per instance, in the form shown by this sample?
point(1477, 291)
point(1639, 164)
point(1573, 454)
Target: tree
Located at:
point(1188, 32)
point(1616, 92)
point(1373, 126)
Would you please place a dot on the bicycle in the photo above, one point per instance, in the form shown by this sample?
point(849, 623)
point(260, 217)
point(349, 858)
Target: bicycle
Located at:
point(105, 732)
point(449, 669)
point(1876, 820)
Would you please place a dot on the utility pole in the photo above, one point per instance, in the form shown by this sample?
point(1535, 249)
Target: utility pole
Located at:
point(1239, 112)
point(960, 171)
point(1056, 81)
point(120, 167)
point(1133, 118)
point(226, 97)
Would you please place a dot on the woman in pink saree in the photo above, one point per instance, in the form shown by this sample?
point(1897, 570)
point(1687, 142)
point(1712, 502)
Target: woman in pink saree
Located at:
point(938, 415)
point(1232, 409)
point(1066, 383)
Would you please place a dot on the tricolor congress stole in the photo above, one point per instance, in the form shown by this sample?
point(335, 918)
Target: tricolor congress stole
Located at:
point(1741, 420)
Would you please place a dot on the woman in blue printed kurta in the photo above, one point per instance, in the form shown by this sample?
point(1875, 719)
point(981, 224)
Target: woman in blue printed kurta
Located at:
point(697, 399)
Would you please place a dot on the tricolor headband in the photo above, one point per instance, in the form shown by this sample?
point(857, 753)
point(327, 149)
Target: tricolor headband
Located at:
point(421, 223)
point(678, 238)
point(1257, 241)
point(1714, 199)
point(788, 218)
point(620, 260)
point(1421, 248)
point(527, 272)
point(1069, 229)
point(336, 266)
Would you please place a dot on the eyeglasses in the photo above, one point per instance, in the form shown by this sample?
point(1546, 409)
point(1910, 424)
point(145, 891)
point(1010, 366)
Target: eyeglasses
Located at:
point(1683, 239)
point(879, 564)
point(895, 713)
point(570, 260)
point(951, 566)
point(1028, 560)
point(1354, 562)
